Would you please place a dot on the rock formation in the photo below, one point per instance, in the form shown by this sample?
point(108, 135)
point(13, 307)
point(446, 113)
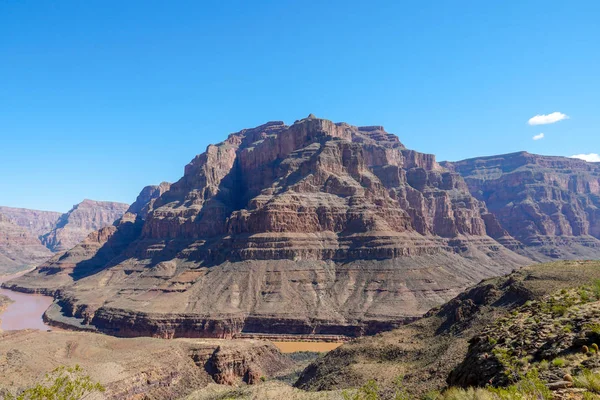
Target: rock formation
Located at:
point(85, 217)
point(540, 312)
point(135, 368)
point(95, 252)
point(551, 205)
point(19, 250)
point(36, 222)
point(313, 228)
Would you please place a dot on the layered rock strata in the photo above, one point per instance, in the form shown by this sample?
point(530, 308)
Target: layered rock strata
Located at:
point(85, 217)
point(19, 250)
point(313, 228)
point(36, 222)
point(551, 205)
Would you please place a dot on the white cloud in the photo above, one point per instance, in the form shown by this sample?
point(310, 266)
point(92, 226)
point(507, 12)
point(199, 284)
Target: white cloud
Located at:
point(543, 119)
point(592, 157)
point(538, 137)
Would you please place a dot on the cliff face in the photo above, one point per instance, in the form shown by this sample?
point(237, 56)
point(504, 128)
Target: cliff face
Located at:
point(550, 204)
point(19, 250)
point(28, 237)
point(311, 178)
point(145, 200)
point(96, 251)
point(35, 222)
point(311, 228)
point(85, 217)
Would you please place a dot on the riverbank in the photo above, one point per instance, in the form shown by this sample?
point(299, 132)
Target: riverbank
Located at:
point(24, 310)
point(38, 311)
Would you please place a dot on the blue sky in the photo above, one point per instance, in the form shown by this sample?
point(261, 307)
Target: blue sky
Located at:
point(100, 98)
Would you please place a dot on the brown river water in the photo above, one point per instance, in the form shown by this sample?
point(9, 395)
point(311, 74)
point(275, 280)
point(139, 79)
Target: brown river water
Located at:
point(26, 310)
point(292, 347)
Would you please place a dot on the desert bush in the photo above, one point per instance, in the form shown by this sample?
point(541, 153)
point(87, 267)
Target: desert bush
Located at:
point(63, 383)
point(558, 362)
point(596, 289)
point(468, 394)
point(369, 391)
point(594, 327)
point(588, 380)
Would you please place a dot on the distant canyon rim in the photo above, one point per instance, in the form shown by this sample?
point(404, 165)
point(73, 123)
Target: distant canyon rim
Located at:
point(317, 228)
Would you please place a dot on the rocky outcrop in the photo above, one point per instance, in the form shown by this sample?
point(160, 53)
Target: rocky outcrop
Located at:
point(19, 250)
point(92, 254)
point(313, 228)
point(541, 334)
point(136, 368)
point(521, 319)
point(551, 205)
point(145, 200)
point(85, 217)
point(36, 222)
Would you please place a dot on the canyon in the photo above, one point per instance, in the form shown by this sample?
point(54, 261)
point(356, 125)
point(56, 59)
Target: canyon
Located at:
point(315, 231)
point(85, 217)
point(550, 205)
point(30, 237)
point(19, 249)
point(317, 228)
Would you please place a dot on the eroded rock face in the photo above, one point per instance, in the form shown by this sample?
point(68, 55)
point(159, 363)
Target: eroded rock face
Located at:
point(85, 217)
point(135, 368)
point(36, 222)
point(95, 252)
point(145, 200)
point(312, 228)
point(19, 249)
point(550, 204)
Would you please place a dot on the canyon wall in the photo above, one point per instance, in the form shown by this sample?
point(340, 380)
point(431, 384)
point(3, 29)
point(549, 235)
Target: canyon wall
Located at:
point(85, 217)
point(551, 205)
point(19, 249)
point(313, 228)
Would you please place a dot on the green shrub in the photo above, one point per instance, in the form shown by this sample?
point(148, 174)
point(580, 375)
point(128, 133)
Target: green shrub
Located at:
point(588, 380)
point(369, 391)
point(596, 289)
point(595, 328)
point(558, 362)
point(584, 295)
point(559, 310)
point(63, 383)
point(432, 395)
point(529, 387)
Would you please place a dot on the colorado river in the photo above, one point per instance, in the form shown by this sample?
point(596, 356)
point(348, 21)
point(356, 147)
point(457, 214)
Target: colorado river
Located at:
point(292, 347)
point(26, 310)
